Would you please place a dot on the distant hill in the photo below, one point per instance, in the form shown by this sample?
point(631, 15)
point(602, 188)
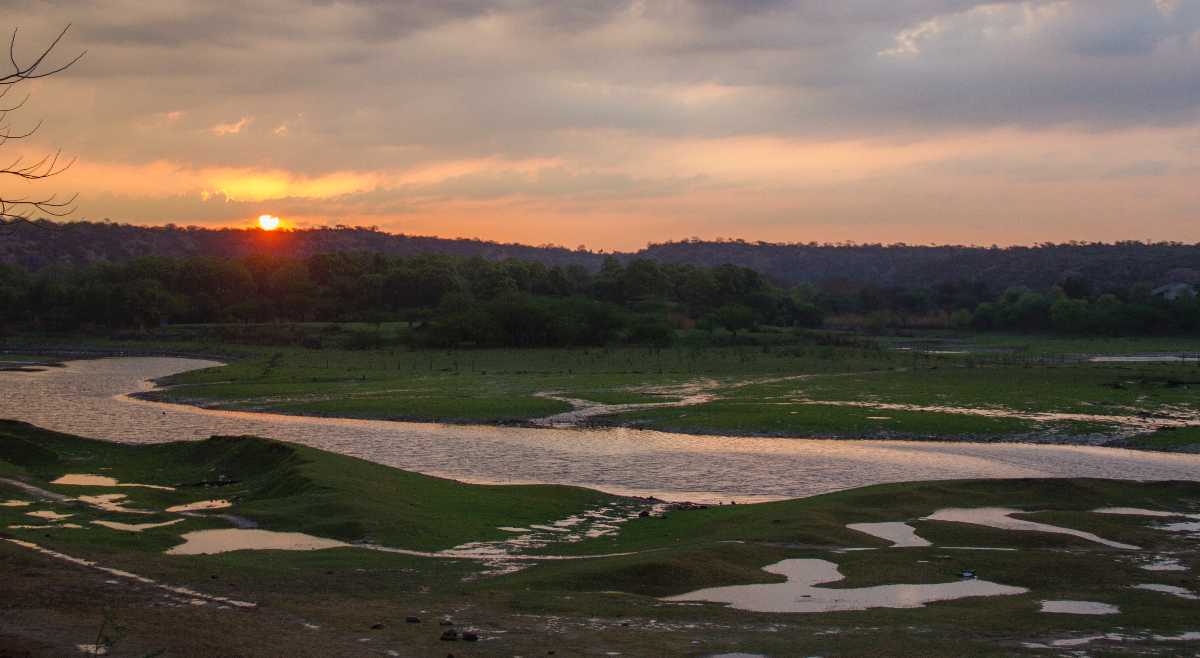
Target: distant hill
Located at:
point(1117, 265)
point(35, 247)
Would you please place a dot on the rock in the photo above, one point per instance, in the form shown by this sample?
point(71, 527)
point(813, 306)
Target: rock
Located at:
point(412, 620)
point(449, 635)
point(446, 621)
point(643, 514)
point(376, 627)
point(468, 636)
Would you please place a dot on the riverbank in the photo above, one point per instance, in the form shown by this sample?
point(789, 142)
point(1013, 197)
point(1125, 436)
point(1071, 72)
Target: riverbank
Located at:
point(841, 392)
point(635, 462)
point(72, 580)
point(1117, 404)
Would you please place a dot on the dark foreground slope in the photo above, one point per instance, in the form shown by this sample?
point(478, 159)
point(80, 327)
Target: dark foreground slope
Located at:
point(354, 601)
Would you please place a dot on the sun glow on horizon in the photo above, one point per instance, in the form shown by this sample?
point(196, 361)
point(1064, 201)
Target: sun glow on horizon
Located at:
point(268, 222)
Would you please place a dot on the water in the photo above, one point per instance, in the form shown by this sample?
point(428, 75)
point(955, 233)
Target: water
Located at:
point(88, 398)
point(1079, 608)
point(800, 594)
point(1000, 517)
point(900, 534)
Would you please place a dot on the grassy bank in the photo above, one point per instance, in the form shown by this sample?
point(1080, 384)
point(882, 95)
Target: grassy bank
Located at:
point(355, 601)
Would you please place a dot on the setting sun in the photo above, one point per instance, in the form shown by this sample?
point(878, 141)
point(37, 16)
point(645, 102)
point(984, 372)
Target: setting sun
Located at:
point(268, 222)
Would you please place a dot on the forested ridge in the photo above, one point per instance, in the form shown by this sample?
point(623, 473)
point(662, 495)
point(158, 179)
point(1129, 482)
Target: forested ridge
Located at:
point(1041, 267)
point(456, 300)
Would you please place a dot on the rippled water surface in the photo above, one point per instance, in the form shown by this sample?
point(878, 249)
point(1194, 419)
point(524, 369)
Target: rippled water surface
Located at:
point(88, 398)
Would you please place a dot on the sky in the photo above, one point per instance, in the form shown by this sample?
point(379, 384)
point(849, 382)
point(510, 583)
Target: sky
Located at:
point(615, 124)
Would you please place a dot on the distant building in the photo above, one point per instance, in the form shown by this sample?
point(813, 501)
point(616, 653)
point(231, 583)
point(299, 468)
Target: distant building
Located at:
point(1173, 291)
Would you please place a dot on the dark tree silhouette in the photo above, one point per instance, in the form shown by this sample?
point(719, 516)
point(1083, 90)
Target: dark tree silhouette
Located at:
point(15, 209)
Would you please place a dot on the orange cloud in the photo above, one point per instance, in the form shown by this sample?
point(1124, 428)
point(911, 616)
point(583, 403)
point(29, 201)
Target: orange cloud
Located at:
point(222, 129)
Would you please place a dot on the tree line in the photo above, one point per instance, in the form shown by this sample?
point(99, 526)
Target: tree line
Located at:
point(1039, 267)
point(473, 301)
point(449, 300)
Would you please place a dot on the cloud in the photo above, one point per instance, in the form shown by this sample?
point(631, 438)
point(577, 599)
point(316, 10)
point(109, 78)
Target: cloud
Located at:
point(222, 129)
point(614, 103)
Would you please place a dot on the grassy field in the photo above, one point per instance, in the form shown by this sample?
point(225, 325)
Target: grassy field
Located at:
point(754, 392)
point(776, 387)
point(354, 601)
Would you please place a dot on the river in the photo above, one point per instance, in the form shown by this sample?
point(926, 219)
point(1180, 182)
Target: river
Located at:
point(90, 398)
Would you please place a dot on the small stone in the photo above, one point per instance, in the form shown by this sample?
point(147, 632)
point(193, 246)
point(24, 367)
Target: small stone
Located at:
point(376, 627)
point(643, 514)
point(468, 636)
point(446, 622)
point(450, 635)
point(412, 620)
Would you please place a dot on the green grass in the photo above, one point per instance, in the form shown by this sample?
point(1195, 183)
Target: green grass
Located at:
point(594, 605)
point(740, 416)
point(294, 488)
point(501, 386)
point(1174, 439)
point(483, 386)
point(1085, 388)
point(757, 386)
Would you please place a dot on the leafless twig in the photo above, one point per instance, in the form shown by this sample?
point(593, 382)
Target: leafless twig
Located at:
point(17, 210)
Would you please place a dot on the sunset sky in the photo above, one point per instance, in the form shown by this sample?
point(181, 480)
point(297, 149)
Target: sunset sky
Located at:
point(612, 124)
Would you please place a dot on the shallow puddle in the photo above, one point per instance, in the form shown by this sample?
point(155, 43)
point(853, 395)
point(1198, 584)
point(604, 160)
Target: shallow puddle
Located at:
point(1001, 517)
point(691, 394)
point(1132, 423)
point(135, 527)
point(1079, 608)
point(1144, 358)
point(1192, 526)
point(799, 593)
point(86, 480)
point(200, 505)
point(901, 535)
point(1164, 564)
point(209, 542)
point(1135, 511)
point(1189, 636)
point(49, 515)
point(1181, 592)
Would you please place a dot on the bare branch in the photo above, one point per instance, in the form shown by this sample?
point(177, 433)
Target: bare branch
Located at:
point(14, 211)
point(31, 71)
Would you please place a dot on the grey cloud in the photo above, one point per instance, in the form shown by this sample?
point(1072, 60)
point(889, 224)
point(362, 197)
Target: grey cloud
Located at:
point(379, 83)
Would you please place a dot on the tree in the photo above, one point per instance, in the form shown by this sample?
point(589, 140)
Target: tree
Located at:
point(734, 317)
point(18, 208)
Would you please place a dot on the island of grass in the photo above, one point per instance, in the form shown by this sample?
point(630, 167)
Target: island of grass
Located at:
point(787, 384)
point(354, 599)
